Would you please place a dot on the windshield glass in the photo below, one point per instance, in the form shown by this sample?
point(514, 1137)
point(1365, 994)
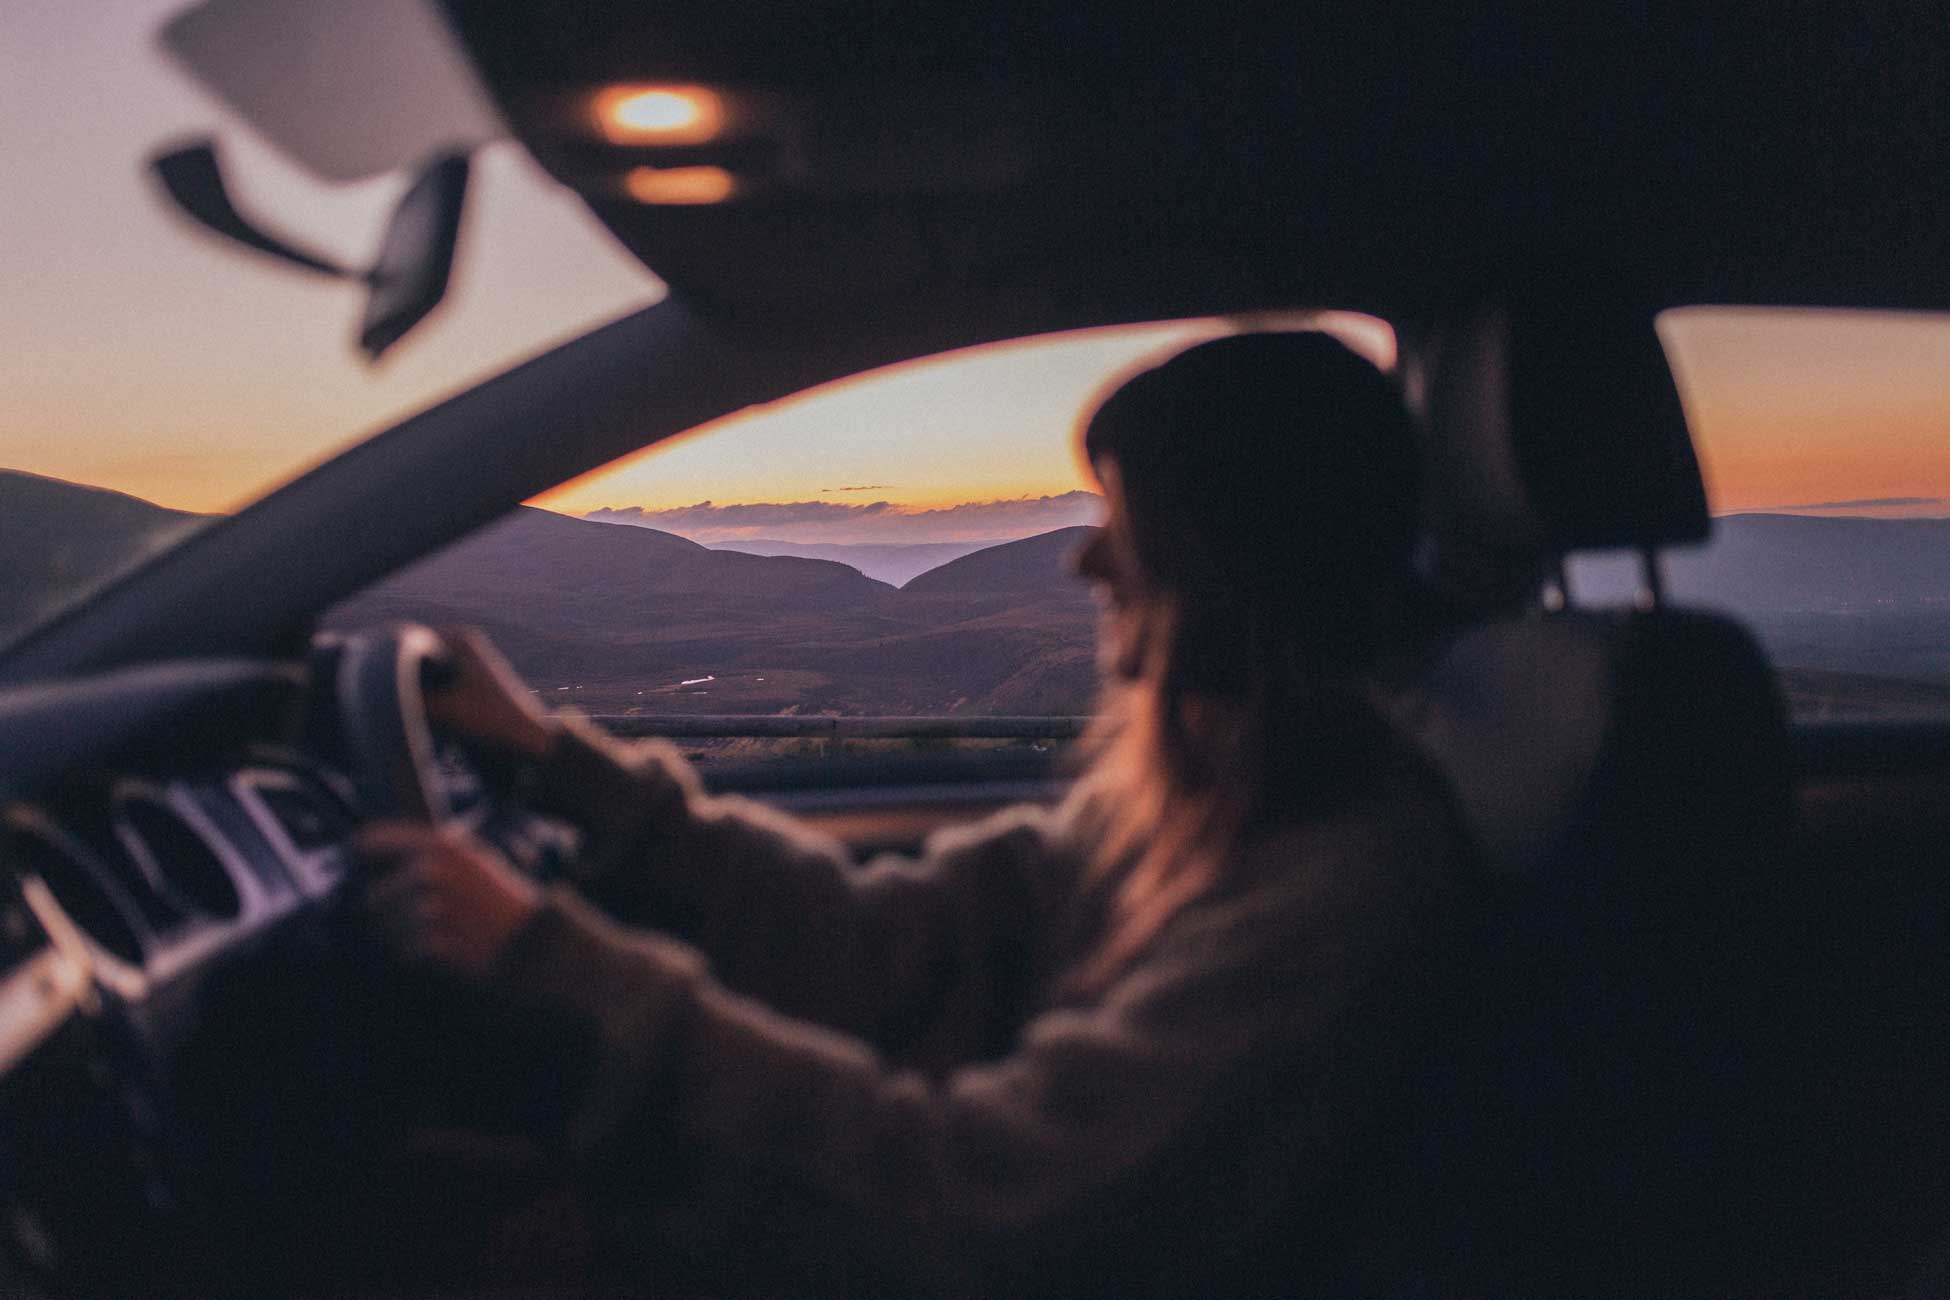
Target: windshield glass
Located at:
point(142, 357)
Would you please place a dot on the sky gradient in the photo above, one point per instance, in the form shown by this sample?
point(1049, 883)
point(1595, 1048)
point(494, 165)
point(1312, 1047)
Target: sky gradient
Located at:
point(140, 355)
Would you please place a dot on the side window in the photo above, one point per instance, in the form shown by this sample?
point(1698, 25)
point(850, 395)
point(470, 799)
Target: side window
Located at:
point(877, 567)
point(1824, 438)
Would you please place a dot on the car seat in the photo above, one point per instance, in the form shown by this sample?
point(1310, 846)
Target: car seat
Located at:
point(1590, 1113)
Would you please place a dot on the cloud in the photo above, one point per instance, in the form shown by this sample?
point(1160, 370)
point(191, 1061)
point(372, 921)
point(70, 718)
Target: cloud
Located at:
point(865, 487)
point(876, 521)
point(1864, 503)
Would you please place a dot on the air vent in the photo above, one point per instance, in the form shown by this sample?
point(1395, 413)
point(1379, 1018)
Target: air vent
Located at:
point(302, 817)
point(312, 824)
point(82, 885)
point(176, 855)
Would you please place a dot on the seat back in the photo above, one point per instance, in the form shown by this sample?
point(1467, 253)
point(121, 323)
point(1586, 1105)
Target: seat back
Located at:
point(1578, 1125)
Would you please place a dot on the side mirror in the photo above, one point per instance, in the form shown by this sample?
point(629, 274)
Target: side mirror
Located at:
point(416, 257)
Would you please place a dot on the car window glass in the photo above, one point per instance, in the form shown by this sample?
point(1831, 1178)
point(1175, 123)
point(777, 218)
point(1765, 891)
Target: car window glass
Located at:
point(1822, 439)
point(157, 377)
point(880, 565)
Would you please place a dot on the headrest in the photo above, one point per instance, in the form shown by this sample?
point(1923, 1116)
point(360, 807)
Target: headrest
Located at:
point(1555, 425)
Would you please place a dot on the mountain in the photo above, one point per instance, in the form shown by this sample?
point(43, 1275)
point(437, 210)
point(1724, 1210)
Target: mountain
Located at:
point(1764, 563)
point(617, 618)
point(893, 562)
point(1035, 566)
point(621, 618)
point(59, 539)
point(540, 552)
point(585, 601)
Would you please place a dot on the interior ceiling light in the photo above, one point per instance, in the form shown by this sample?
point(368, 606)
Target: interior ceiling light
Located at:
point(680, 185)
point(640, 114)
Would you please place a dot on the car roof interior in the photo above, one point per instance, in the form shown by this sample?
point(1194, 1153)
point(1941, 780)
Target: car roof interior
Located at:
point(1736, 156)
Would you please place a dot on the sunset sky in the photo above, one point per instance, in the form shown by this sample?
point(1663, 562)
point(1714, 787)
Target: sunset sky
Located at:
point(138, 355)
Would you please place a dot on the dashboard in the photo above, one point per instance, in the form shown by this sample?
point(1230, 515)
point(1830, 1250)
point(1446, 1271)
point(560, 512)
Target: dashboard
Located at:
point(154, 818)
point(196, 1046)
point(171, 849)
point(155, 872)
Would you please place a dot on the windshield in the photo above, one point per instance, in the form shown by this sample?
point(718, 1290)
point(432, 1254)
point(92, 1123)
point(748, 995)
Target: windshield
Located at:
point(142, 357)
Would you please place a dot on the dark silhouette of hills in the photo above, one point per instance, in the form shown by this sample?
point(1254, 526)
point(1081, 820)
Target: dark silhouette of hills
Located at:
point(1038, 566)
point(893, 562)
point(604, 611)
point(58, 539)
point(1801, 562)
point(601, 613)
point(1856, 612)
point(540, 549)
point(1769, 564)
point(625, 617)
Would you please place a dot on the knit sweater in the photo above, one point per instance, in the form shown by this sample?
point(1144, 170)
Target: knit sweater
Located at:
point(805, 1074)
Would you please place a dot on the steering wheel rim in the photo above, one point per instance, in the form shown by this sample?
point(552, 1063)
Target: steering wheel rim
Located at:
point(380, 681)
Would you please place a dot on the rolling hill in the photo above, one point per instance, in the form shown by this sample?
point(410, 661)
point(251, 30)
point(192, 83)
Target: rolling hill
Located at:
point(1800, 564)
point(893, 562)
point(1036, 566)
point(58, 539)
point(625, 617)
point(619, 618)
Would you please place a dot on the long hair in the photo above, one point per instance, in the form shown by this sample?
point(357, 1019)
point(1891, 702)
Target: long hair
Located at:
point(1270, 482)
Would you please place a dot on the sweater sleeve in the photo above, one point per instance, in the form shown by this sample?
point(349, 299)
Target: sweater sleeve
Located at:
point(945, 945)
point(1286, 999)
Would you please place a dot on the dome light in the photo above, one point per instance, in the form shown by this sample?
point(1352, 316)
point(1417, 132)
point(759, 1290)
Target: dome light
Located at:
point(659, 114)
point(680, 185)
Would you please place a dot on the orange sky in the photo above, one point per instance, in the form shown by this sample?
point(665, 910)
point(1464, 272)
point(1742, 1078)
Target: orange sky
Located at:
point(1804, 407)
point(983, 424)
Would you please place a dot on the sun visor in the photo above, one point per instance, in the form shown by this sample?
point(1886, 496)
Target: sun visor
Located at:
point(348, 90)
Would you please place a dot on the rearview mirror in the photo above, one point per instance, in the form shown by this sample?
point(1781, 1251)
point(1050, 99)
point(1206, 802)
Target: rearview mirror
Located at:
point(416, 257)
point(409, 278)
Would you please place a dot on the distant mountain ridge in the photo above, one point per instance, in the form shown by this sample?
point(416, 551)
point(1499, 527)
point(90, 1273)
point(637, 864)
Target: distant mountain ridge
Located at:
point(59, 539)
point(1034, 564)
point(620, 617)
point(1776, 563)
point(609, 608)
point(891, 562)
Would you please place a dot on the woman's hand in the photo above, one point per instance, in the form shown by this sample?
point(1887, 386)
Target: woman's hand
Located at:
point(485, 702)
point(441, 896)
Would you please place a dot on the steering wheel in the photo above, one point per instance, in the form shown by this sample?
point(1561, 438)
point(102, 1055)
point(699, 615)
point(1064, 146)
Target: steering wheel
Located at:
point(379, 679)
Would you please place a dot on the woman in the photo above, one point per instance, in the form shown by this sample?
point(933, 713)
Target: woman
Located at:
point(1137, 1043)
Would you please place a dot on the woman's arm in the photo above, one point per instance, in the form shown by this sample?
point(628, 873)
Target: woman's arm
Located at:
point(1226, 1073)
point(946, 942)
point(943, 945)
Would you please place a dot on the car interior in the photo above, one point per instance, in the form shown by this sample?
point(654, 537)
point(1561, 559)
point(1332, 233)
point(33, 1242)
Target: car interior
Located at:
point(1698, 1043)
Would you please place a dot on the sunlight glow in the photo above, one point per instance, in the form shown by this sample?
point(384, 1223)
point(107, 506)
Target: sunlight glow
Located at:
point(680, 185)
point(659, 114)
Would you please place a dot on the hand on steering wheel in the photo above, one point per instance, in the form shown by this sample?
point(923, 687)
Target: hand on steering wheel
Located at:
point(442, 896)
point(478, 697)
point(436, 892)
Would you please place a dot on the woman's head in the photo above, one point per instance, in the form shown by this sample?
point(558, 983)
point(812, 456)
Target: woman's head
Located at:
point(1263, 496)
point(1258, 481)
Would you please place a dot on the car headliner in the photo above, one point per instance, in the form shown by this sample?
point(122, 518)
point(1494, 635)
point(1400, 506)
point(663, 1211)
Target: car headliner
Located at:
point(1355, 154)
point(949, 174)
